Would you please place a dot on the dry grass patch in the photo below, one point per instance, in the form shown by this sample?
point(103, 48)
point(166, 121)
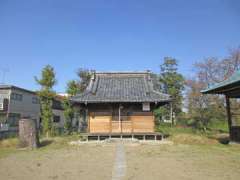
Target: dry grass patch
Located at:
point(8, 146)
point(58, 160)
point(9, 143)
point(183, 162)
point(193, 139)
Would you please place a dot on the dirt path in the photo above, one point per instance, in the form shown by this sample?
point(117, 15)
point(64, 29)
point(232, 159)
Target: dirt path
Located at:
point(119, 169)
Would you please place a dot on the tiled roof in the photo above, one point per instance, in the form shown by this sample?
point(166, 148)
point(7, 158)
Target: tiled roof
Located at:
point(235, 78)
point(122, 87)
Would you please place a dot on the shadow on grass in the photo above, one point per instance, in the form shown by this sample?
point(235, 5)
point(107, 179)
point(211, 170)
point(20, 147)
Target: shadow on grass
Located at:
point(45, 143)
point(223, 140)
point(166, 135)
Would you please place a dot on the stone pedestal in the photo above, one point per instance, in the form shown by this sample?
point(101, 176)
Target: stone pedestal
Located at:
point(28, 133)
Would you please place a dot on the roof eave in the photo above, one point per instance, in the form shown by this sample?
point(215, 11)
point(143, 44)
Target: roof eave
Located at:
point(220, 89)
point(127, 101)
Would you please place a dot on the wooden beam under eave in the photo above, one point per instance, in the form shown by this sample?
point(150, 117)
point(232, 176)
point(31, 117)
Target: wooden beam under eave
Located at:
point(229, 116)
point(233, 88)
point(234, 93)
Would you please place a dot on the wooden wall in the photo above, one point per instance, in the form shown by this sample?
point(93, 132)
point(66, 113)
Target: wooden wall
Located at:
point(104, 119)
point(99, 124)
point(142, 123)
point(104, 124)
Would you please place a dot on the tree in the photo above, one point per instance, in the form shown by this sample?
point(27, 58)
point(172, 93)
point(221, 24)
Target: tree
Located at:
point(72, 89)
point(213, 70)
point(68, 114)
point(84, 78)
point(173, 84)
point(202, 109)
point(46, 94)
point(206, 109)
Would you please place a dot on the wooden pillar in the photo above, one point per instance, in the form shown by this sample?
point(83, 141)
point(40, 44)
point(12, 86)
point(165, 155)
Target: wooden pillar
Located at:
point(171, 113)
point(111, 119)
point(119, 118)
point(88, 119)
point(79, 116)
point(110, 124)
point(131, 125)
point(229, 116)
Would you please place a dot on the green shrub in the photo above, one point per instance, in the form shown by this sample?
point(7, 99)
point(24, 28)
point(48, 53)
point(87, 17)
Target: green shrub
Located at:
point(169, 129)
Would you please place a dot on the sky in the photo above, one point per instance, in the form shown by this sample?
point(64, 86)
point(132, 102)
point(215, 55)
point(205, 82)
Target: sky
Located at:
point(111, 35)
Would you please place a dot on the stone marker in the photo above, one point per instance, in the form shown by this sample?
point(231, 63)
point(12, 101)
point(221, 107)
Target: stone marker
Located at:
point(28, 133)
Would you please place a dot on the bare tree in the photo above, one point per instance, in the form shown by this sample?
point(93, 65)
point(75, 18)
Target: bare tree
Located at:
point(213, 70)
point(204, 108)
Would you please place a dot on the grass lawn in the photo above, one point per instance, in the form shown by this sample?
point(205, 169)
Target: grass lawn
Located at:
point(190, 157)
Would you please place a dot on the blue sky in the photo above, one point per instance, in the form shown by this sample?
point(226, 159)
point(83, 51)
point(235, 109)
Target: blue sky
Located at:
point(111, 35)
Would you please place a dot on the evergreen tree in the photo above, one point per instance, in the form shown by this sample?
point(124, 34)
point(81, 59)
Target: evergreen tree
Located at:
point(84, 78)
point(46, 94)
point(172, 84)
point(72, 89)
point(68, 114)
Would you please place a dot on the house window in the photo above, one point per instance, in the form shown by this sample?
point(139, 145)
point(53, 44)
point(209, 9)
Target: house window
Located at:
point(16, 97)
point(146, 106)
point(13, 119)
point(3, 118)
point(56, 119)
point(1, 103)
point(35, 100)
point(57, 105)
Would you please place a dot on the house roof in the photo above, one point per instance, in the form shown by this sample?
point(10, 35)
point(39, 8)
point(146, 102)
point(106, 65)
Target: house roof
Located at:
point(3, 86)
point(225, 87)
point(122, 87)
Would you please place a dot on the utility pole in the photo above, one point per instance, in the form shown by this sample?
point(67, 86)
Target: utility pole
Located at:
point(4, 71)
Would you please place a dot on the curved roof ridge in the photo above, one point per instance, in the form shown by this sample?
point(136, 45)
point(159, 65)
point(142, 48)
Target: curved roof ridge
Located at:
point(122, 72)
point(125, 87)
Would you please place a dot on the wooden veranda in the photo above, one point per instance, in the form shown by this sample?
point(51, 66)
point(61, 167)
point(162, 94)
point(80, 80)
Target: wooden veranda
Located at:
point(155, 136)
